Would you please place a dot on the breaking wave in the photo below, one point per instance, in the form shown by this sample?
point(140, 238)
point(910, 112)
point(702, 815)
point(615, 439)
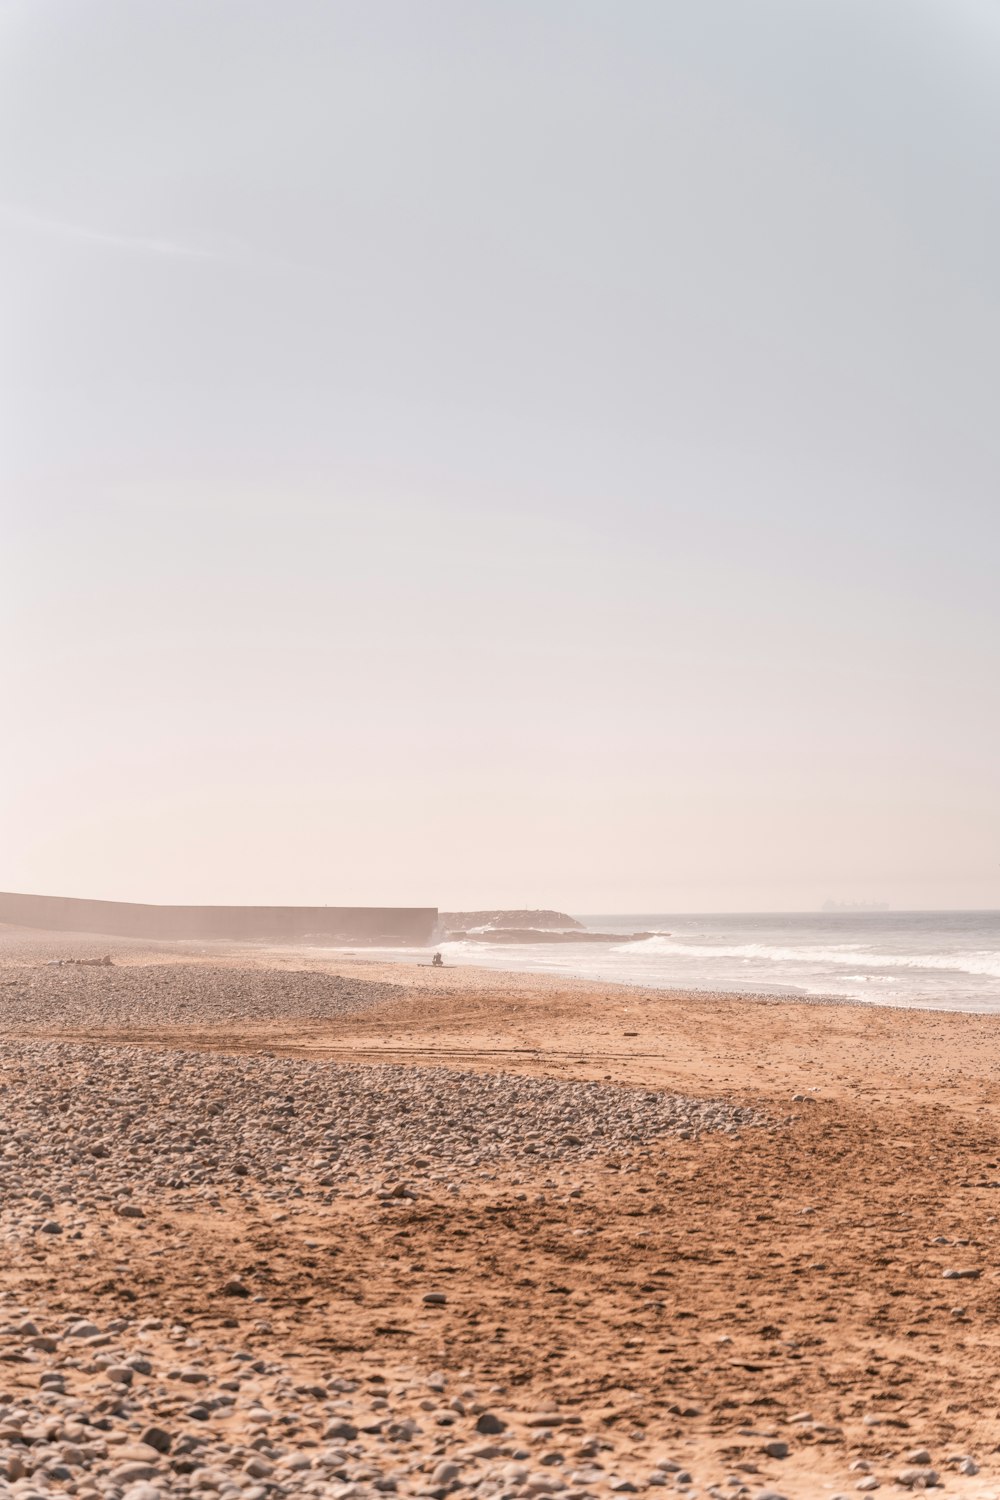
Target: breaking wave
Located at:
point(984, 964)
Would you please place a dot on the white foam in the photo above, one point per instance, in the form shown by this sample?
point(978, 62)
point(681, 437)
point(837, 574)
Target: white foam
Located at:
point(985, 964)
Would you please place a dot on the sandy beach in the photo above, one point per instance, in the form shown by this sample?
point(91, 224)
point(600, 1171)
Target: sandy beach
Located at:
point(280, 1226)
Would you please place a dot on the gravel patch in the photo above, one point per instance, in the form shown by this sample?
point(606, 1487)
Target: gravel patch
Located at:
point(60, 994)
point(75, 1118)
point(102, 1142)
point(134, 1409)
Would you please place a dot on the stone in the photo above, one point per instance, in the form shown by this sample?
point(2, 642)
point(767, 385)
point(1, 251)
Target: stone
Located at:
point(83, 1330)
point(346, 1431)
point(258, 1468)
point(157, 1438)
point(129, 1473)
point(489, 1423)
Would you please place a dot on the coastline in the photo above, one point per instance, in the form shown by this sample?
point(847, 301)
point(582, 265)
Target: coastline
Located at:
point(804, 1278)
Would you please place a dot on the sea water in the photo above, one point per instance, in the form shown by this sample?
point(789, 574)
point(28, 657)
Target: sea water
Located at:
point(949, 960)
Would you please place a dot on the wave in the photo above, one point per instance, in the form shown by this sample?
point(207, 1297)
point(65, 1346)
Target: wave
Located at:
point(983, 964)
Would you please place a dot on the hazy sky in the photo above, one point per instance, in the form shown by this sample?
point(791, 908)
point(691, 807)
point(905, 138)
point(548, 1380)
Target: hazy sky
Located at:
point(475, 453)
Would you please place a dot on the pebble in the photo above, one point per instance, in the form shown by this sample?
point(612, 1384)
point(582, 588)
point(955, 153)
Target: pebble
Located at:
point(489, 1423)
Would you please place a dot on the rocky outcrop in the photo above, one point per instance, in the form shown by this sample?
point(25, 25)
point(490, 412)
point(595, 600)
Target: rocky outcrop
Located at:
point(536, 935)
point(465, 921)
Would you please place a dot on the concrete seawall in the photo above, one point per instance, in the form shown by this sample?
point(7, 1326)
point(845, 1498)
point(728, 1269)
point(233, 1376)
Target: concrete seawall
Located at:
point(351, 924)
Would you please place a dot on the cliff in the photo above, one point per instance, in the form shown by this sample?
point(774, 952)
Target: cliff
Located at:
point(336, 924)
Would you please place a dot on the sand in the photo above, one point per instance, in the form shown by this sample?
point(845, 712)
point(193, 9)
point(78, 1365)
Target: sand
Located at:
point(343, 1228)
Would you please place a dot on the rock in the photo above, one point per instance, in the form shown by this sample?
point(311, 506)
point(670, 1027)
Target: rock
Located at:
point(83, 1330)
point(434, 1299)
point(868, 1483)
point(235, 1288)
point(156, 1437)
point(346, 1431)
point(130, 1473)
point(489, 1423)
point(51, 1227)
point(918, 1456)
point(917, 1478)
point(971, 1274)
point(775, 1449)
point(258, 1468)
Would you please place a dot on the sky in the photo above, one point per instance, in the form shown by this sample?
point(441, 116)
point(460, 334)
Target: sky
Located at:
point(480, 453)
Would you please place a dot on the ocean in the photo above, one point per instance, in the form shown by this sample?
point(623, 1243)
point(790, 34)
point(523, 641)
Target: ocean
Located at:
point(946, 960)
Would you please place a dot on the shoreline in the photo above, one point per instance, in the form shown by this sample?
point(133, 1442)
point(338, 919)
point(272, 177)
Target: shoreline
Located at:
point(931, 988)
point(32, 942)
point(652, 1233)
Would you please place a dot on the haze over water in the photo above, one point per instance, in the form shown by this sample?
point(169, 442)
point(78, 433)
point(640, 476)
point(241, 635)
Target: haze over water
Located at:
point(948, 960)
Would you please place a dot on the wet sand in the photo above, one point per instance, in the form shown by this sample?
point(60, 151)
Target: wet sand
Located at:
point(666, 1236)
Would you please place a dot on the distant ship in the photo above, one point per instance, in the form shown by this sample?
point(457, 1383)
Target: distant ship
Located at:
point(855, 906)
